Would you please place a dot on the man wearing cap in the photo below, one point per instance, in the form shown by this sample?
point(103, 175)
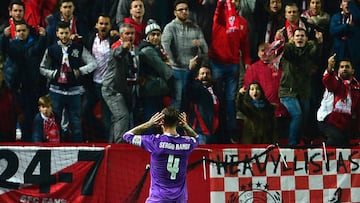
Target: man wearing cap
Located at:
point(154, 70)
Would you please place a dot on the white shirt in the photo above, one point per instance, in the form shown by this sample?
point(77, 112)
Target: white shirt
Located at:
point(101, 51)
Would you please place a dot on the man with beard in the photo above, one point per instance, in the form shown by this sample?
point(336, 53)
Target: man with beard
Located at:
point(64, 63)
point(201, 101)
point(340, 123)
point(98, 42)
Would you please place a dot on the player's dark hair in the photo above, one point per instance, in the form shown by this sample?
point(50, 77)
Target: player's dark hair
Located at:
point(171, 116)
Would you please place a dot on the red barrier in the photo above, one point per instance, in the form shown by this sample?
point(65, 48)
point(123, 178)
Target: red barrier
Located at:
point(126, 164)
point(118, 174)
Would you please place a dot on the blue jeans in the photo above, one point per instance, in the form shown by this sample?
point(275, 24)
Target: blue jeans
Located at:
point(227, 78)
point(72, 106)
point(297, 110)
point(28, 103)
point(179, 84)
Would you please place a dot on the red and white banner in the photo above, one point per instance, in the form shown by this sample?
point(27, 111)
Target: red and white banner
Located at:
point(285, 175)
point(51, 174)
point(111, 174)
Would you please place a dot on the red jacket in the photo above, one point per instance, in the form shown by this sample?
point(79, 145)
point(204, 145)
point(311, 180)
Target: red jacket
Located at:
point(342, 114)
point(37, 10)
point(269, 80)
point(229, 36)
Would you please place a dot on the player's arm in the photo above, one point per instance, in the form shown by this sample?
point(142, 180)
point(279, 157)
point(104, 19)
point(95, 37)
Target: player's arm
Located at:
point(156, 119)
point(183, 123)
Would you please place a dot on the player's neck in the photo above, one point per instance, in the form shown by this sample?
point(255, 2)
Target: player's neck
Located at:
point(171, 131)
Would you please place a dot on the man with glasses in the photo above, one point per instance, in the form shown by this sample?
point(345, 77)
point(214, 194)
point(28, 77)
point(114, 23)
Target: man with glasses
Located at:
point(182, 39)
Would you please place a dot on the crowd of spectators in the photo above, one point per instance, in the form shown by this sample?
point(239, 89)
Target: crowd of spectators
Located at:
point(245, 71)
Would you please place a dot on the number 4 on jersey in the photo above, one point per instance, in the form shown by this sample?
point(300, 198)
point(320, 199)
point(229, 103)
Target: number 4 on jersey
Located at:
point(173, 166)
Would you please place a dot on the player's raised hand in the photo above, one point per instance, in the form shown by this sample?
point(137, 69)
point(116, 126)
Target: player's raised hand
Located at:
point(182, 119)
point(157, 119)
point(183, 123)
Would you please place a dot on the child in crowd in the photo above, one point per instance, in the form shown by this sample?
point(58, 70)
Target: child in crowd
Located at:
point(259, 121)
point(45, 128)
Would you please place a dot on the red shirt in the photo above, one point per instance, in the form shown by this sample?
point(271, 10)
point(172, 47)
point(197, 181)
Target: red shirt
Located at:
point(269, 80)
point(229, 36)
point(139, 30)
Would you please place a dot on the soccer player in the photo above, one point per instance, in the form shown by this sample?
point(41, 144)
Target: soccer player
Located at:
point(169, 154)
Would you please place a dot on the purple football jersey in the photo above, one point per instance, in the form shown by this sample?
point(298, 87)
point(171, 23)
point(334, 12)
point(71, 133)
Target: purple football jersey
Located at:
point(169, 159)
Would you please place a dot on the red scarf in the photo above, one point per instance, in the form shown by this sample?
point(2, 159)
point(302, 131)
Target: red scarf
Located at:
point(116, 44)
point(274, 51)
point(12, 27)
point(232, 22)
point(51, 130)
point(290, 28)
point(343, 102)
